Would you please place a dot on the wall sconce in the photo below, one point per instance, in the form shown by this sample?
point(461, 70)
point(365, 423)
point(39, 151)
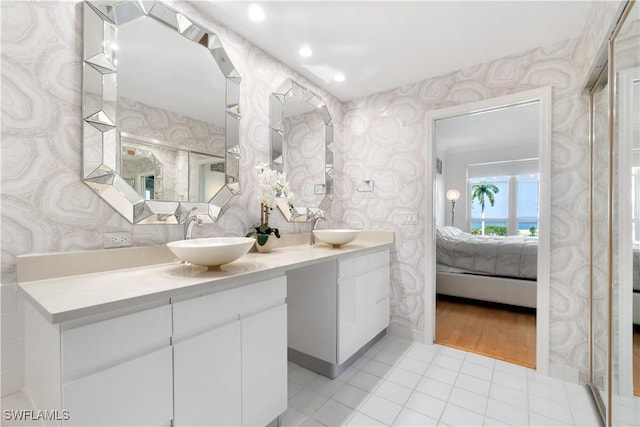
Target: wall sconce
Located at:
point(453, 196)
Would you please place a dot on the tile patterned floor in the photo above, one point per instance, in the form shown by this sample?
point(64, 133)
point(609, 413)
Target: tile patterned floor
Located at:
point(404, 383)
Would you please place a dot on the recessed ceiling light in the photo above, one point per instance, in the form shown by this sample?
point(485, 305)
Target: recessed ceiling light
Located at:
point(305, 51)
point(339, 77)
point(256, 13)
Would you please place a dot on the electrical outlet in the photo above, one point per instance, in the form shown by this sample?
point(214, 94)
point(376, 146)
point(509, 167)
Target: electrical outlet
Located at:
point(119, 239)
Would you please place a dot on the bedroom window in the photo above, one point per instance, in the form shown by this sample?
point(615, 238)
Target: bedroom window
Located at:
point(493, 219)
point(515, 209)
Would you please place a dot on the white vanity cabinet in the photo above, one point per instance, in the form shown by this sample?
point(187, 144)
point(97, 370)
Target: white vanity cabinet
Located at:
point(114, 371)
point(337, 308)
point(363, 301)
point(230, 356)
point(214, 359)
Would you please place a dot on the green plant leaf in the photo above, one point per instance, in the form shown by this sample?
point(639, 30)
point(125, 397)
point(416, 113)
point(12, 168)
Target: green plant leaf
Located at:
point(262, 239)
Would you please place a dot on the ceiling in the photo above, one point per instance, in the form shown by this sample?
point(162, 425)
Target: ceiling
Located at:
point(381, 45)
point(495, 129)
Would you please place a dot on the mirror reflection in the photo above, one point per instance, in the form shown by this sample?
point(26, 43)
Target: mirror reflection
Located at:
point(301, 146)
point(169, 132)
point(625, 294)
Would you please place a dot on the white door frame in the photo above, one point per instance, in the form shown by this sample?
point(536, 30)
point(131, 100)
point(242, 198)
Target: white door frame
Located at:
point(543, 96)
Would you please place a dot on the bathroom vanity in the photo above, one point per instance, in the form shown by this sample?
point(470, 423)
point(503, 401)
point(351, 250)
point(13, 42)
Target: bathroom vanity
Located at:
point(164, 343)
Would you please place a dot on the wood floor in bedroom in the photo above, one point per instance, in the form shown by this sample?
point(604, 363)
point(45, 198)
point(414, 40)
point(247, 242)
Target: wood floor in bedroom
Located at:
point(636, 360)
point(502, 332)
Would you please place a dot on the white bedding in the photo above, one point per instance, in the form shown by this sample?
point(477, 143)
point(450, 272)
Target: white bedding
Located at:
point(510, 256)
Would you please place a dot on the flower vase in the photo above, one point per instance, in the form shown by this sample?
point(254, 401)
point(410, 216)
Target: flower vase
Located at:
point(268, 246)
point(264, 224)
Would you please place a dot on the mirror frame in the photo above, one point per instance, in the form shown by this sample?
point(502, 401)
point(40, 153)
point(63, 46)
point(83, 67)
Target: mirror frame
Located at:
point(289, 88)
point(101, 143)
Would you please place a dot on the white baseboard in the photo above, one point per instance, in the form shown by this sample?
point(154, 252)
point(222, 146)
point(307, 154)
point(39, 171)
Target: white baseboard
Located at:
point(565, 373)
point(403, 331)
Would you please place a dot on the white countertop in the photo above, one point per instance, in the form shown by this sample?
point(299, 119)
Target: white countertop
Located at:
point(71, 297)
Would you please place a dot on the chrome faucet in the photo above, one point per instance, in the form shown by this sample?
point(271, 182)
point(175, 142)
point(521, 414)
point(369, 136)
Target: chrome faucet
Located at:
point(192, 219)
point(312, 241)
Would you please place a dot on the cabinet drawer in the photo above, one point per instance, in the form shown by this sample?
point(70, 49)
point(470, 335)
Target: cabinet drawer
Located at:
point(363, 264)
point(212, 310)
point(89, 348)
point(138, 392)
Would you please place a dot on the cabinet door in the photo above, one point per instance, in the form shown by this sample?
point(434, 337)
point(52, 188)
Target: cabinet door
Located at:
point(137, 392)
point(363, 301)
point(264, 366)
point(207, 378)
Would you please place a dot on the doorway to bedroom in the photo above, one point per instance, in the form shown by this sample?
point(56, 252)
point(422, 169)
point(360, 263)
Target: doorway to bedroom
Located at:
point(490, 198)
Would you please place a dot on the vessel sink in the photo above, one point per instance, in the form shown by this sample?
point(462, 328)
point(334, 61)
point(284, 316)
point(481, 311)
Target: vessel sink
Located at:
point(336, 237)
point(211, 251)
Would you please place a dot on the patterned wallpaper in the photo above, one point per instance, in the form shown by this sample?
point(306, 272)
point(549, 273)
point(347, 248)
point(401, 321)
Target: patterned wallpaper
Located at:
point(46, 207)
point(385, 141)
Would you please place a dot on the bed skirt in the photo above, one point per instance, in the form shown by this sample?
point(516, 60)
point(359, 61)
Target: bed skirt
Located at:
point(502, 290)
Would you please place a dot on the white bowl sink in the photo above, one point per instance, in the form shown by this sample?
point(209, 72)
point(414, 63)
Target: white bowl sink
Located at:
point(336, 237)
point(211, 251)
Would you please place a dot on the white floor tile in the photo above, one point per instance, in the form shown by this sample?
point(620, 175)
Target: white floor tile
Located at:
point(325, 386)
point(333, 413)
point(413, 365)
point(473, 384)
point(506, 413)
point(548, 391)
point(358, 364)
point(388, 357)
point(381, 409)
point(509, 380)
point(541, 420)
point(509, 395)
point(490, 422)
point(477, 371)
point(453, 352)
point(351, 396)
point(365, 381)
point(293, 388)
point(348, 373)
point(405, 378)
point(466, 399)
point(393, 392)
point(302, 376)
point(364, 421)
point(434, 388)
point(481, 360)
point(548, 408)
point(408, 417)
point(457, 416)
point(441, 374)
point(585, 416)
point(292, 418)
point(510, 368)
point(457, 388)
point(447, 362)
point(307, 401)
point(377, 368)
point(422, 353)
point(426, 405)
point(310, 422)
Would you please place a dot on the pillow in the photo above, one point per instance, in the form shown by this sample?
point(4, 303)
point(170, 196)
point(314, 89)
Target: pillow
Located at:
point(447, 232)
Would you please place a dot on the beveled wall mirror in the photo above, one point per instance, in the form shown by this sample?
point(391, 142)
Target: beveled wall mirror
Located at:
point(160, 113)
point(302, 147)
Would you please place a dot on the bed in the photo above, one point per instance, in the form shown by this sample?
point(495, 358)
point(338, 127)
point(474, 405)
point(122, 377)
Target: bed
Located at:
point(500, 269)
